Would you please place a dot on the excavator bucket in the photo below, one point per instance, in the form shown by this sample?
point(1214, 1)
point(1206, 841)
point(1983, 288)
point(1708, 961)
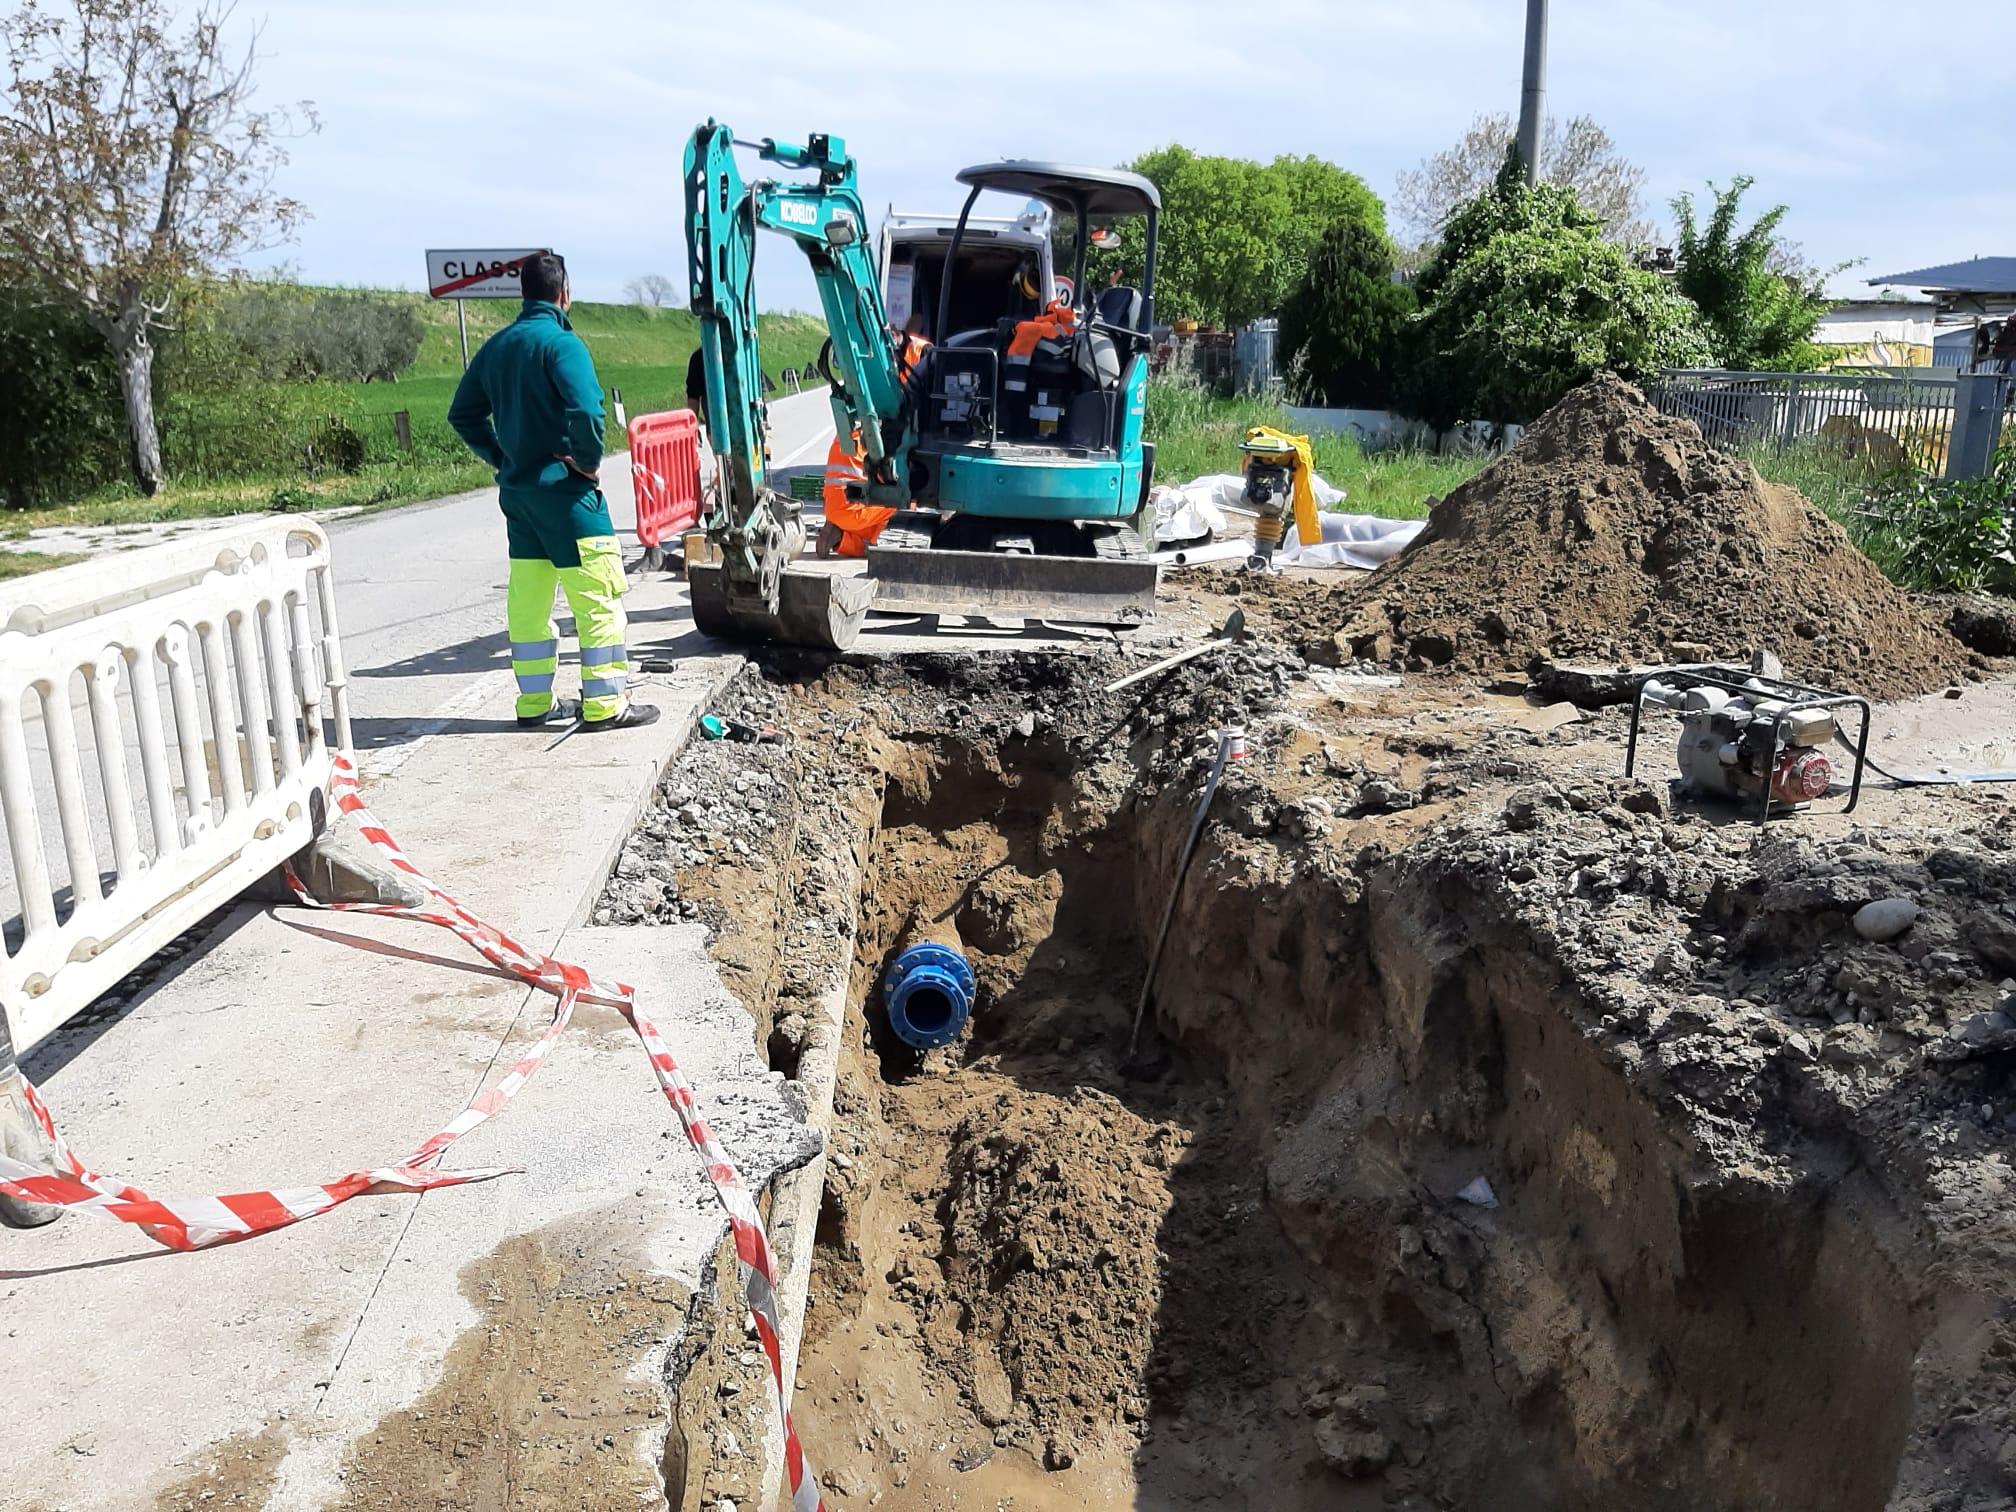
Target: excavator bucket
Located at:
point(1013, 585)
point(815, 609)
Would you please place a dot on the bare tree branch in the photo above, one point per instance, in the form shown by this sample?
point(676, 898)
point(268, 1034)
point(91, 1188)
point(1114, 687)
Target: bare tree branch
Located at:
point(653, 290)
point(1578, 155)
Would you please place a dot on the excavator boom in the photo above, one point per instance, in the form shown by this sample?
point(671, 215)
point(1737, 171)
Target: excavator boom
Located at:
point(754, 592)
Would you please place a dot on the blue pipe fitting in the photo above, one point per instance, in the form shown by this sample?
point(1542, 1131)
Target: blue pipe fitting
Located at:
point(928, 990)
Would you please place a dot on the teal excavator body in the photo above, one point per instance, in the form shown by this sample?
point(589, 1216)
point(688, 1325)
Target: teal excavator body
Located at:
point(1014, 451)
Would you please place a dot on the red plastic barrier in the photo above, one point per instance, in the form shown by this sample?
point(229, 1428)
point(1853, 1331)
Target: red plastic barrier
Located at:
point(665, 472)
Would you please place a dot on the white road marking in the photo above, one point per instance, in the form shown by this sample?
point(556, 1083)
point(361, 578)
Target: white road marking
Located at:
point(826, 429)
point(819, 440)
point(388, 759)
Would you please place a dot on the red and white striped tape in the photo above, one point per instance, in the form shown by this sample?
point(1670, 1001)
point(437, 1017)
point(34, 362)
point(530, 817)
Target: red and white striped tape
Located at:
point(190, 1223)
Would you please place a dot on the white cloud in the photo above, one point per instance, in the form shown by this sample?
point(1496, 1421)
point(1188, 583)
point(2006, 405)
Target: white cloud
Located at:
point(450, 124)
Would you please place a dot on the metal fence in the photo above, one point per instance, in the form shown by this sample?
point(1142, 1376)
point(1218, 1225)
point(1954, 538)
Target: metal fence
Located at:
point(1886, 418)
point(1891, 419)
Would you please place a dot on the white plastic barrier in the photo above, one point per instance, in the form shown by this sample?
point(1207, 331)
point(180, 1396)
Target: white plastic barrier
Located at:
point(162, 745)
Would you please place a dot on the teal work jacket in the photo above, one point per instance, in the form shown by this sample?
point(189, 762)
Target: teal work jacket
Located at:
point(529, 397)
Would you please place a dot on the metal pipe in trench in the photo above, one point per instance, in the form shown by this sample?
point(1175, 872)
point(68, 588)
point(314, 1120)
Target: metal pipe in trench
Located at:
point(928, 988)
point(1231, 747)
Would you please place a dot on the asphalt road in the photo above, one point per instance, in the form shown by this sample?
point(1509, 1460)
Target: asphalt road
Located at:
point(420, 594)
point(421, 591)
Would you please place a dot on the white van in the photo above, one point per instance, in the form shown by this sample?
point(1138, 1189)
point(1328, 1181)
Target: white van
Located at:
point(1004, 271)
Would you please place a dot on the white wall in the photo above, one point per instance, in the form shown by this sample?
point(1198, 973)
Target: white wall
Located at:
point(1860, 324)
point(1383, 427)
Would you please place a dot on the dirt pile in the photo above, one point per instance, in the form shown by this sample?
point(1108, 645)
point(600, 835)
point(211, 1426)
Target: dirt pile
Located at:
point(1612, 532)
point(1068, 1349)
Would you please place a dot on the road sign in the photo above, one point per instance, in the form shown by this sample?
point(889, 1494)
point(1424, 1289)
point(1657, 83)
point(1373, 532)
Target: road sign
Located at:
point(488, 274)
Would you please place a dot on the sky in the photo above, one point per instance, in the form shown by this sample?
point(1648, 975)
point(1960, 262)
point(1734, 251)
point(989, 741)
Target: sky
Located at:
point(510, 124)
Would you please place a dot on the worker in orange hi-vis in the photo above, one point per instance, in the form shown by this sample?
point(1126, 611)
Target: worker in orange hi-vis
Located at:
point(852, 524)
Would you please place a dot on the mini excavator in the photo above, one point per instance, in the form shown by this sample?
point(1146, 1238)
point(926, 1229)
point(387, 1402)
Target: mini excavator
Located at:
point(1014, 451)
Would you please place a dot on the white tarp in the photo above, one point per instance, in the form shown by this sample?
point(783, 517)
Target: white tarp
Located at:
point(1350, 540)
point(1209, 508)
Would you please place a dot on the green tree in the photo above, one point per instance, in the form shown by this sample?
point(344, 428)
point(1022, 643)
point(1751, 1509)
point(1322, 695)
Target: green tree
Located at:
point(1763, 315)
point(274, 331)
point(59, 427)
point(1320, 195)
point(132, 160)
point(1343, 325)
point(1508, 205)
point(358, 337)
point(1236, 236)
point(1526, 300)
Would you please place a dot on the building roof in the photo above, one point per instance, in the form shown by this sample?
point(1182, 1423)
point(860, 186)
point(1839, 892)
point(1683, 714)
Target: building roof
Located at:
point(1978, 275)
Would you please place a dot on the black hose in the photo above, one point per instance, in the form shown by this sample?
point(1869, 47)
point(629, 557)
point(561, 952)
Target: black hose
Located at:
point(1926, 779)
point(1227, 738)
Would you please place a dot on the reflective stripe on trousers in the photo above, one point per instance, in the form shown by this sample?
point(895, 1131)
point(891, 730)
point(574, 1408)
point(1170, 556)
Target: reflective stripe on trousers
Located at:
point(594, 593)
point(604, 670)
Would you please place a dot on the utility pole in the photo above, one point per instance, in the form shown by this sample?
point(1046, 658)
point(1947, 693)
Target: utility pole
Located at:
point(1533, 88)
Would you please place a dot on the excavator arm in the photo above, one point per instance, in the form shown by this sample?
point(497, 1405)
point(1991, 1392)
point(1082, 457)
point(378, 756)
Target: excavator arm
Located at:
point(757, 530)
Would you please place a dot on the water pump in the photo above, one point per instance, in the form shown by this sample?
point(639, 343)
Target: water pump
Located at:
point(1752, 738)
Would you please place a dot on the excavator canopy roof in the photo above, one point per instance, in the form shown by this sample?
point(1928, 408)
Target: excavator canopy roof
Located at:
point(1089, 191)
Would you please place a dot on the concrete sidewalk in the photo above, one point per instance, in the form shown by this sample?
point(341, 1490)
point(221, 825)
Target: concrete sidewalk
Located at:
point(364, 1358)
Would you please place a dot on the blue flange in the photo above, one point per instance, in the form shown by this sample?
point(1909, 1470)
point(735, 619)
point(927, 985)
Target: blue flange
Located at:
point(929, 993)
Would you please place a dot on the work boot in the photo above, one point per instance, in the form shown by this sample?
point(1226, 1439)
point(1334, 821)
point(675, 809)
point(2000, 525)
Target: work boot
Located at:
point(634, 717)
point(564, 711)
point(828, 544)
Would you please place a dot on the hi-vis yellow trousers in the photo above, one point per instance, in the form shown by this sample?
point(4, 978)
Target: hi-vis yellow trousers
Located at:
point(595, 594)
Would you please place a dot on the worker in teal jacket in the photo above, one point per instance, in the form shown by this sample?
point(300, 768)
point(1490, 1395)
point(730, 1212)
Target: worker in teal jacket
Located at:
point(531, 406)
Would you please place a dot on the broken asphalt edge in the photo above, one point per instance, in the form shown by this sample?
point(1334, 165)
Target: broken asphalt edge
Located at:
point(685, 719)
point(797, 1195)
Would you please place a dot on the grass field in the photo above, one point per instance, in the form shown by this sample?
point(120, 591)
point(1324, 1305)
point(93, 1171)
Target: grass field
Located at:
point(1841, 486)
point(15, 564)
point(374, 484)
point(243, 449)
point(1196, 433)
point(639, 353)
point(619, 335)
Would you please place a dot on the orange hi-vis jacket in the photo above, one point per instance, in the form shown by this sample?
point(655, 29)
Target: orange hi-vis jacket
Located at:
point(1051, 331)
point(859, 523)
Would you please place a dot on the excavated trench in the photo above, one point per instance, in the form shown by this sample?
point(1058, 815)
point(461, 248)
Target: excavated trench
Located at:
point(1234, 1269)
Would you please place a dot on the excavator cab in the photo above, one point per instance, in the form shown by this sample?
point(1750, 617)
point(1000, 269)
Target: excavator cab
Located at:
point(1004, 268)
point(1062, 387)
